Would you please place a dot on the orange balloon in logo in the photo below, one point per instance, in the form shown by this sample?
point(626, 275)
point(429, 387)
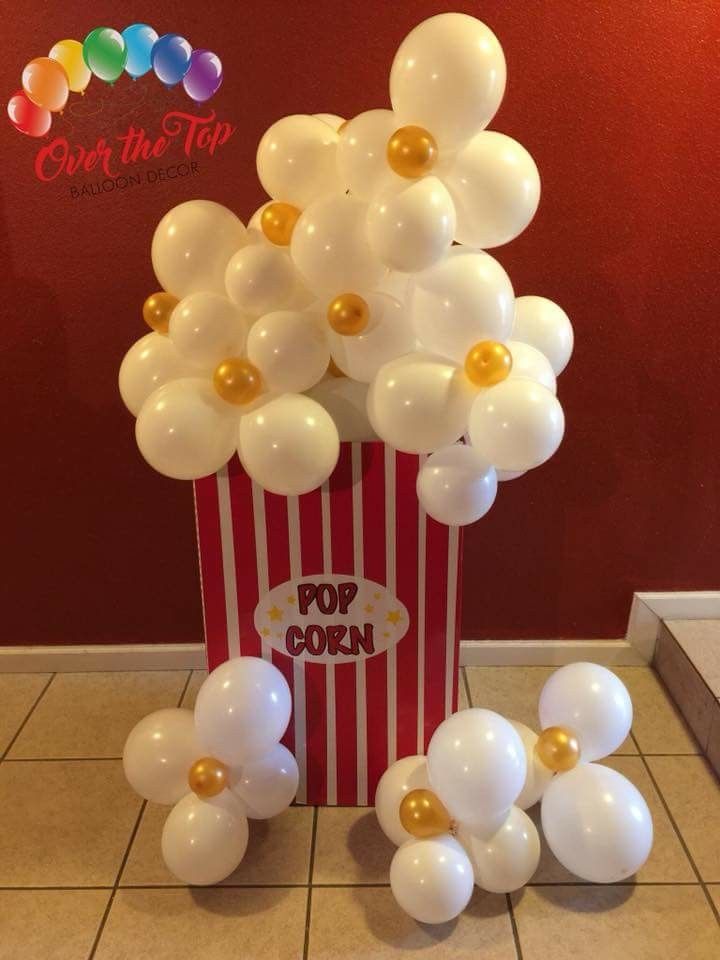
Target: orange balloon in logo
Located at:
point(46, 83)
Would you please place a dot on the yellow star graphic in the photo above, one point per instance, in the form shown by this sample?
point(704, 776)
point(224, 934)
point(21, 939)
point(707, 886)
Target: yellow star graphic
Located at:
point(394, 617)
point(369, 608)
point(265, 632)
point(275, 613)
point(386, 634)
point(376, 596)
point(291, 599)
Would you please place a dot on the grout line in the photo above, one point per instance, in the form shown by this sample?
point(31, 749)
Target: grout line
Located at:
point(27, 717)
point(311, 868)
point(185, 688)
point(514, 926)
point(467, 686)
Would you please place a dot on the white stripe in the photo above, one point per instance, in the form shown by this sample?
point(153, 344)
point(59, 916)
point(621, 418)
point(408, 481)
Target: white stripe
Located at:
point(258, 498)
point(391, 583)
point(360, 695)
point(421, 626)
point(295, 549)
point(450, 626)
point(331, 764)
point(228, 561)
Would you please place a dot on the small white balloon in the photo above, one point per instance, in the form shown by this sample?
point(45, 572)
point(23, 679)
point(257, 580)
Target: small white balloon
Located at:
point(362, 153)
point(260, 278)
point(507, 860)
point(290, 446)
point(158, 754)
point(593, 702)
point(387, 336)
point(332, 119)
point(400, 778)
point(537, 776)
point(296, 160)
point(185, 431)
point(268, 785)
point(432, 880)
point(456, 486)
point(290, 349)
point(151, 362)
point(545, 326)
point(242, 710)
point(529, 364)
point(516, 425)
point(597, 823)
point(206, 328)
point(203, 841)
point(346, 402)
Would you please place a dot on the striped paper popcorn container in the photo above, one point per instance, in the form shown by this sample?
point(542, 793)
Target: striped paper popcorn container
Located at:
point(354, 594)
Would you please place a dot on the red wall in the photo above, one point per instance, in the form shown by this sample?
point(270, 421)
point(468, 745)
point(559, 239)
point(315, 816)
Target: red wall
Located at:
point(614, 100)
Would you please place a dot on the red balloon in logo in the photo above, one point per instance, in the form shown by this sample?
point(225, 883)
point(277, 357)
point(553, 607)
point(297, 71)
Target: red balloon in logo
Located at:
point(27, 117)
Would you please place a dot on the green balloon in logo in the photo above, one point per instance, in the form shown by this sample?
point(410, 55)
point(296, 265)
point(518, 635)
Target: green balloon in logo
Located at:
point(105, 53)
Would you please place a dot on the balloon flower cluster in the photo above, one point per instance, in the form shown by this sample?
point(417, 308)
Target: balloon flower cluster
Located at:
point(48, 81)
point(218, 765)
point(360, 301)
point(458, 816)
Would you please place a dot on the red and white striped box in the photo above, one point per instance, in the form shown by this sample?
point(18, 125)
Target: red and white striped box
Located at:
point(353, 592)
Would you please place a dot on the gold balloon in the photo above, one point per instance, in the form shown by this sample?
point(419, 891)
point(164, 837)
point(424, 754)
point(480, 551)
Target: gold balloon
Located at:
point(412, 151)
point(488, 363)
point(558, 749)
point(157, 309)
point(423, 814)
point(237, 380)
point(278, 222)
point(348, 314)
point(208, 777)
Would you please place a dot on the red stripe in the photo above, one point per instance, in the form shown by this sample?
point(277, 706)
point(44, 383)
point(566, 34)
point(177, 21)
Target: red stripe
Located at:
point(436, 567)
point(406, 518)
point(241, 506)
point(211, 570)
point(278, 550)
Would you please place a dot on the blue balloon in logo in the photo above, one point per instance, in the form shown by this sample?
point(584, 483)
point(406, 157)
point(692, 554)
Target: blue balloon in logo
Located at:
point(139, 40)
point(171, 58)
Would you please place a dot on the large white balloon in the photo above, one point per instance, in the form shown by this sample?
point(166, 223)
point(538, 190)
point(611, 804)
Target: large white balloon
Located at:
point(546, 326)
point(260, 278)
point(432, 880)
point(242, 710)
point(516, 425)
point(296, 160)
point(591, 700)
point(362, 153)
point(203, 841)
point(464, 299)
point(448, 76)
point(346, 402)
point(333, 119)
point(508, 859)
point(537, 776)
point(495, 187)
point(149, 363)
point(529, 364)
point(206, 328)
point(268, 785)
point(291, 350)
point(419, 403)
point(192, 245)
point(400, 778)
point(411, 225)
point(476, 762)
point(597, 823)
point(456, 486)
point(158, 754)
point(387, 336)
point(290, 446)
point(185, 431)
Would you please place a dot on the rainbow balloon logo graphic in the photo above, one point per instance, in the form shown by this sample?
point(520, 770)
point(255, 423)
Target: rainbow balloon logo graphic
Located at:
point(47, 82)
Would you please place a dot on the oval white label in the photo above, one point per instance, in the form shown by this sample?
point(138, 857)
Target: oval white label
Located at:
point(331, 618)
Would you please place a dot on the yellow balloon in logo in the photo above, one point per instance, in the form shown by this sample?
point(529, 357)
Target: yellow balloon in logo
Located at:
point(69, 54)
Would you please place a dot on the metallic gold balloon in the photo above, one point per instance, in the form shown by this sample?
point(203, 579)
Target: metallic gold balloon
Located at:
point(208, 777)
point(348, 314)
point(237, 380)
point(558, 749)
point(278, 222)
point(488, 363)
point(423, 814)
point(157, 309)
point(412, 151)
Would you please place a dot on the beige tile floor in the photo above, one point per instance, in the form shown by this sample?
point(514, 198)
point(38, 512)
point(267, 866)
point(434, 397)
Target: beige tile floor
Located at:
point(81, 874)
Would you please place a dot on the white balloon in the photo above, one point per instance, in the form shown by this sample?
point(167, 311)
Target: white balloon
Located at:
point(330, 248)
point(464, 299)
point(346, 402)
point(476, 762)
point(296, 160)
point(185, 431)
point(192, 245)
point(507, 860)
point(545, 326)
point(419, 403)
point(529, 364)
point(593, 701)
point(411, 225)
point(495, 187)
point(537, 776)
point(158, 754)
point(505, 475)
point(149, 363)
point(203, 841)
point(260, 278)
point(597, 823)
point(332, 119)
point(400, 778)
point(448, 76)
point(362, 153)
point(432, 880)
point(516, 425)
point(268, 785)
point(290, 349)
point(387, 336)
point(206, 328)
point(456, 486)
point(290, 446)
point(242, 710)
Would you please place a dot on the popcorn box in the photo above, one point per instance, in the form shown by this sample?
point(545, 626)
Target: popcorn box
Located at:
point(353, 592)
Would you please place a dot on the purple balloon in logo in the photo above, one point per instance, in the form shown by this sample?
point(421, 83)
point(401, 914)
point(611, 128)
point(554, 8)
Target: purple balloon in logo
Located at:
point(204, 76)
point(171, 58)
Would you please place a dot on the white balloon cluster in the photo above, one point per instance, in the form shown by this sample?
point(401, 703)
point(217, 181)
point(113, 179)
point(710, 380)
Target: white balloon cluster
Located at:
point(367, 264)
point(218, 766)
point(458, 816)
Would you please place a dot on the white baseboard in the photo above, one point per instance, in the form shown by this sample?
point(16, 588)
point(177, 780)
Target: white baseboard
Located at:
point(136, 656)
point(547, 653)
point(649, 609)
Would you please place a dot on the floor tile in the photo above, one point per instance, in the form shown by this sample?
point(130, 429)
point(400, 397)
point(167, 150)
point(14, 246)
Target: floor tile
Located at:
point(700, 639)
point(713, 746)
point(91, 714)
point(278, 851)
point(196, 681)
point(366, 924)
point(658, 725)
point(463, 702)
point(714, 891)
point(18, 692)
point(692, 793)
point(64, 823)
point(691, 695)
point(57, 924)
point(212, 923)
point(350, 847)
